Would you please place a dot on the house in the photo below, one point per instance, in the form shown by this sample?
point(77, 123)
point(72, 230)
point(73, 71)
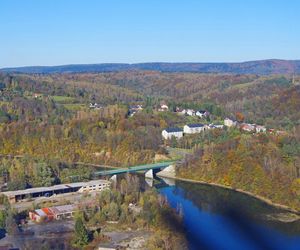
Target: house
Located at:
point(38, 215)
point(183, 112)
point(229, 123)
point(248, 127)
point(190, 112)
point(168, 133)
point(260, 129)
point(202, 113)
point(95, 105)
point(134, 109)
point(193, 128)
point(37, 95)
point(53, 213)
point(163, 108)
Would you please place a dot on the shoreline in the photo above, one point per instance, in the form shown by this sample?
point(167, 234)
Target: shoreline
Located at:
point(258, 197)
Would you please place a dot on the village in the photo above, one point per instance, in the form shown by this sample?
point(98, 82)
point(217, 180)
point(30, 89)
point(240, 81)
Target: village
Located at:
point(195, 128)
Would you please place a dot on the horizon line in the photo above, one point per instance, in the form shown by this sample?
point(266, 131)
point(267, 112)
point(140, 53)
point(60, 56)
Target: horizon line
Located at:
point(149, 62)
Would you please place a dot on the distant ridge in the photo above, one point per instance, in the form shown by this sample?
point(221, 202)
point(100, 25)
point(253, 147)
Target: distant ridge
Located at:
point(263, 67)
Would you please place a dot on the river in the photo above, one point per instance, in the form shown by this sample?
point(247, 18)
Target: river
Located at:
point(216, 218)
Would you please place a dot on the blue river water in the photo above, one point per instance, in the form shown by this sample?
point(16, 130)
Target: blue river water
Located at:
point(215, 218)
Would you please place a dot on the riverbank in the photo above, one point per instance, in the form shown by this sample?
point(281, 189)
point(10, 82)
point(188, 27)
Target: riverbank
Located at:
point(261, 198)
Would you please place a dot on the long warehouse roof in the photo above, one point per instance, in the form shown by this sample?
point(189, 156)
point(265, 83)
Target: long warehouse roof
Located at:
point(54, 188)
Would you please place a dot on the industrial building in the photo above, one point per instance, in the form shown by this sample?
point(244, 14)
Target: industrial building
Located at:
point(53, 213)
point(31, 193)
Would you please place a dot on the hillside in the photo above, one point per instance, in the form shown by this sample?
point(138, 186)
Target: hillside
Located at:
point(263, 67)
point(226, 94)
point(48, 118)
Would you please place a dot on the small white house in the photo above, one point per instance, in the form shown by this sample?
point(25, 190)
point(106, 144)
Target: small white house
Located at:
point(136, 107)
point(193, 128)
point(260, 129)
point(229, 123)
point(248, 127)
point(190, 112)
point(95, 106)
point(168, 133)
point(201, 113)
point(163, 108)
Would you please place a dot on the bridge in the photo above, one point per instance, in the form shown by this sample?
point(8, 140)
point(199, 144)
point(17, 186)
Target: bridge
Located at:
point(131, 169)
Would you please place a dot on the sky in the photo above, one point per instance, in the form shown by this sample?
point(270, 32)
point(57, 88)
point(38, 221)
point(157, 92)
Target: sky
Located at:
point(57, 32)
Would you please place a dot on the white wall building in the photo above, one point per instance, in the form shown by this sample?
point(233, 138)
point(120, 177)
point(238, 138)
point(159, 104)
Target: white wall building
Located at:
point(201, 113)
point(96, 185)
point(229, 123)
point(170, 132)
point(190, 112)
point(163, 108)
point(260, 129)
point(193, 128)
point(248, 127)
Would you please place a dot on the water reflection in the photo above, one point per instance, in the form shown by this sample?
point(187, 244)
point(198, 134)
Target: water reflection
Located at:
point(216, 218)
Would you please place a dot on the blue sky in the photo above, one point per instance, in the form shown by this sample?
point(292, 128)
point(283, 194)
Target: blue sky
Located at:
point(56, 32)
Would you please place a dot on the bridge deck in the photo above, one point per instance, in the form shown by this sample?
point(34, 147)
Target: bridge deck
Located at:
point(134, 168)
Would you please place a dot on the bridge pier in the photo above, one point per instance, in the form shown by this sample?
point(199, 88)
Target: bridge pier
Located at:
point(113, 178)
point(151, 174)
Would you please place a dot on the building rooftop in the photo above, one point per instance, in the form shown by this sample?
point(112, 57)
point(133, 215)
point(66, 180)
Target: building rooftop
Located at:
point(40, 212)
point(62, 209)
point(173, 130)
point(54, 188)
point(195, 125)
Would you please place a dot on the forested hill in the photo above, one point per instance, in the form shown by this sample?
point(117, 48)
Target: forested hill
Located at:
point(263, 67)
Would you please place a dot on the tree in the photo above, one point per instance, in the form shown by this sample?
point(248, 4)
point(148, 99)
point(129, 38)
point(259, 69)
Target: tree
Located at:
point(113, 211)
point(239, 117)
point(81, 237)
point(10, 224)
point(2, 219)
point(43, 175)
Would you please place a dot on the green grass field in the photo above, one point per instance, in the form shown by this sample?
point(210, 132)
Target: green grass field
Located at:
point(63, 99)
point(75, 106)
